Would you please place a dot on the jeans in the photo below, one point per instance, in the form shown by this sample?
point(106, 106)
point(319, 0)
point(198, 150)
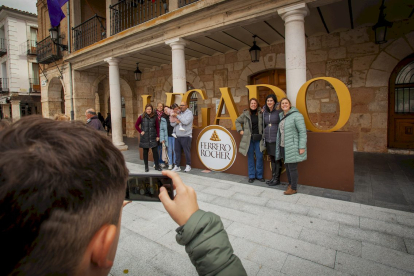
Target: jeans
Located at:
point(171, 146)
point(254, 149)
point(182, 143)
point(160, 153)
point(154, 154)
point(292, 171)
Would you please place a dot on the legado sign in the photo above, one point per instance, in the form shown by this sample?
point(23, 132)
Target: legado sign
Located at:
point(344, 100)
point(216, 148)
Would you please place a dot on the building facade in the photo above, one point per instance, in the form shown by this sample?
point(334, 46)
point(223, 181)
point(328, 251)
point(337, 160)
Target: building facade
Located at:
point(205, 44)
point(19, 71)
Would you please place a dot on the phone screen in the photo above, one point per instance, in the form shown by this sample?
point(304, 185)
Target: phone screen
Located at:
point(144, 187)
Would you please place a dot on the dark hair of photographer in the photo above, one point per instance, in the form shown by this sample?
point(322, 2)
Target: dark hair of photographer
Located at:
point(61, 186)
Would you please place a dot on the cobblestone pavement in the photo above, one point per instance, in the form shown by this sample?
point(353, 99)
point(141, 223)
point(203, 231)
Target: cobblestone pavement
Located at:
point(273, 234)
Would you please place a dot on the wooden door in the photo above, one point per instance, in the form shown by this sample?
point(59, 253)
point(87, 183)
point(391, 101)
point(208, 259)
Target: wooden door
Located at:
point(276, 77)
point(401, 105)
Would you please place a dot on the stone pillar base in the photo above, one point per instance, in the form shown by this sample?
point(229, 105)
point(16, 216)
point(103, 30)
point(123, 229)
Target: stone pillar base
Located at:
point(122, 148)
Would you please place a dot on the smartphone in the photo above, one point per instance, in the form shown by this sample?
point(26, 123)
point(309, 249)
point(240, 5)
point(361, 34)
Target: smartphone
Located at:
point(146, 187)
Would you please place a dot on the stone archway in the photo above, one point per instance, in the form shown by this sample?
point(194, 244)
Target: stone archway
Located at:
point(52, 101)
point(101, 89)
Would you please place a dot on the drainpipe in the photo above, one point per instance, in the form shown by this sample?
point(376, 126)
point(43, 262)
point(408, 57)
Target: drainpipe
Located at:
point(72, 113)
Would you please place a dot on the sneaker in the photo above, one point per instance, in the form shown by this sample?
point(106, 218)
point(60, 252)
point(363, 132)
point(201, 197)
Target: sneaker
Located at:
point(162, 165)
point(187, 168)
point(173, 135)
point(176, 169)
point(153, 165)
point(170, 167)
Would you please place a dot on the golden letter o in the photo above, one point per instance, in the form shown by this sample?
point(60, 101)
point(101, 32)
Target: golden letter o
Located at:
point(344, 99)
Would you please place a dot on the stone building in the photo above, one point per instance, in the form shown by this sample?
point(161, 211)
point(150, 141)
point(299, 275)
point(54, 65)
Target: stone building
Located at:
point(19, 71)
point(184, 44)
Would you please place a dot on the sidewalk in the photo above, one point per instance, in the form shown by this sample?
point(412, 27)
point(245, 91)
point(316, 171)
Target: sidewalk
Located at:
point(273, 234)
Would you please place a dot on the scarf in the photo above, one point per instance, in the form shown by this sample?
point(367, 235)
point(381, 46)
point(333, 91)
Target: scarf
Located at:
point(159, 114)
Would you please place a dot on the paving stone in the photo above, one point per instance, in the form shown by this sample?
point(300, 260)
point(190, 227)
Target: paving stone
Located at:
point(388, 256)
point(334, 216)
point(218, 192)
point(405, 220)
point(126, 262)
point(148, 229)
point(250, 199)
point(409, 243)
point(357, 266)
point(312, 252)
point(288, 207)
point(239, 205)
point(266, 271)
point(250, 267)
point(385, 227)
point(385, 240)
point(331, 241)
point(259, 254)
point(205, 197)
point(299, 266)
point(169, 241)
point(170, 263)
point(314, 223)
point(279, 196)
point(247, 189)
point(386, 210)
point(142, 211)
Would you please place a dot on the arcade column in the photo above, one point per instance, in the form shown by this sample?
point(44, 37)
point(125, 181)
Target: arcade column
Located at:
point(15, 105)
point(115, 96)
point(178, 66)
point(295, 47)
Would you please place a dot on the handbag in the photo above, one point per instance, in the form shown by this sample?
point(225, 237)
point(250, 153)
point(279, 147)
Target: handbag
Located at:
point(256, 137)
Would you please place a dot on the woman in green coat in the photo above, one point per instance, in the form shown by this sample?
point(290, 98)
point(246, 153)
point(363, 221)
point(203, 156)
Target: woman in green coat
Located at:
point(291, 140)
point(250, 126)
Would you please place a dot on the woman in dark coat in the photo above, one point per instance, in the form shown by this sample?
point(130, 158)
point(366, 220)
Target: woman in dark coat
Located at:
point(148, 126)
point(271, 123)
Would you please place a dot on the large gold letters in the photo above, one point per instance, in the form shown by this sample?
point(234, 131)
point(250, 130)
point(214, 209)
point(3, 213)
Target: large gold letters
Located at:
point(344, 100)
point(226, 98)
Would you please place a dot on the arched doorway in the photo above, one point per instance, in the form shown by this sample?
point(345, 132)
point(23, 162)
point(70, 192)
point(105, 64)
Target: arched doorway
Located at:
point(276, 77)
point(401, 105)
point(55, 103)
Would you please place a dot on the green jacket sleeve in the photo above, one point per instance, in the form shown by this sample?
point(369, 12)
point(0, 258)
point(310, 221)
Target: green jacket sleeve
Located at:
point(208, 246)
point(239, 122)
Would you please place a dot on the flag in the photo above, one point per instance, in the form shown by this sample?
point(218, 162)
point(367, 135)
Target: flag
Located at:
point(55, 11)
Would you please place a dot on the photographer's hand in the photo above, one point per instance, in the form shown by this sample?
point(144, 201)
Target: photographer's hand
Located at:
point(185, 201)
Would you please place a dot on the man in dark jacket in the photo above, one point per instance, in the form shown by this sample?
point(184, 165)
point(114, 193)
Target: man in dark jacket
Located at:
point(65, 201)
point(92, 120)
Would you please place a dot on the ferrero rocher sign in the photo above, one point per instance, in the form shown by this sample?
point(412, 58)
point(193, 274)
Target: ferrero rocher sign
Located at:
point(216, 148)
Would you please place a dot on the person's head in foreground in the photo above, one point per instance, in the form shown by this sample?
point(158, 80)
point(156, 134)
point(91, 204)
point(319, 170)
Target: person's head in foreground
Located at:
point(61, 194)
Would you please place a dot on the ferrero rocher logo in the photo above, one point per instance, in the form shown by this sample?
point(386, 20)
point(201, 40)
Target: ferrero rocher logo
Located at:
point(215, 137)
point(216, 148)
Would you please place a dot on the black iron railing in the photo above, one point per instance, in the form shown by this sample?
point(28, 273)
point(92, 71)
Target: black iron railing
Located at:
point(182, 3)
point(4, 84)
point(34, 84)
point(89, 32)
point(3, 46)
point(126, 14)
point(47, 51)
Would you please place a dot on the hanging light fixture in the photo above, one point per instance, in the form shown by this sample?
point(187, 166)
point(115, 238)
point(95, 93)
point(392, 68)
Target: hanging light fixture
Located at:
point(137, 73)
point(54, 36)
point(255, 51)
point(381, 27)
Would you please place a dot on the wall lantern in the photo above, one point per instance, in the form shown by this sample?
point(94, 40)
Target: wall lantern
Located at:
point(381, 27)
point(54, 35)
point(137, 73)
point(255, 51)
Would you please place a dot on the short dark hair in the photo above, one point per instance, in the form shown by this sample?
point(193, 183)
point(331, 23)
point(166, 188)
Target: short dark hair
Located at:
point(58, 187)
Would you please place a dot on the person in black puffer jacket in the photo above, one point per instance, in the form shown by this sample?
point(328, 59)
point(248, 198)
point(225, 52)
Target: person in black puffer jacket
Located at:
point(271, 124)
point(148, 126)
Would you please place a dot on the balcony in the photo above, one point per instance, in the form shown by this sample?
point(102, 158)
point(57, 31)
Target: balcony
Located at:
point(4, 85)
point(182, 3)
point(127, 14)
point(34, 85)
point(28, 48)
point(47, 51)
point(89, 32)
point(3, 47)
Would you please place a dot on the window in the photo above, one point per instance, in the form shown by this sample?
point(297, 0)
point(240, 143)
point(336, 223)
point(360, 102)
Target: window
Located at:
point(404, 90)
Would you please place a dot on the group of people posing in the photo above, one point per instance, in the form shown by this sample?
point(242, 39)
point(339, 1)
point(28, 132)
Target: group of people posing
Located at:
point(279, 129)
point(167, 130)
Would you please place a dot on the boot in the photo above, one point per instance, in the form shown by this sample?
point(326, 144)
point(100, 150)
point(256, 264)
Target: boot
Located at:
point(290, 191)
point(278, 170)
point(275, 180)
point(273, 167)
